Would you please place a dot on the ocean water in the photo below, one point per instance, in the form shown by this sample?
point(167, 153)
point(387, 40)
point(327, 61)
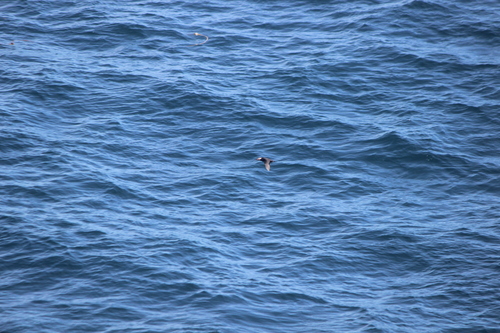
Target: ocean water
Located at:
point(131, 200)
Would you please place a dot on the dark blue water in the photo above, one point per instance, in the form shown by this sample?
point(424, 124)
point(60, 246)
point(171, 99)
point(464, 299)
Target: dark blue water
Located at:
point(131, 200)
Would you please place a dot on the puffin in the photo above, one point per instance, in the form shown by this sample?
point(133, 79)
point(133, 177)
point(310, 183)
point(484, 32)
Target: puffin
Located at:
point(267, 162)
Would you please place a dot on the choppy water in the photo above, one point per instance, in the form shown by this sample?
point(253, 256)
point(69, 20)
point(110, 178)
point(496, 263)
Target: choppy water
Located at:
point(131, 200)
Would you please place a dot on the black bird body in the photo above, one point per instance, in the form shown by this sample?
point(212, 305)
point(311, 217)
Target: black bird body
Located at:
point(267, 162)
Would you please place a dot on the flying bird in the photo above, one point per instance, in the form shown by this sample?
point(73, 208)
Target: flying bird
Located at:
point(267, 162)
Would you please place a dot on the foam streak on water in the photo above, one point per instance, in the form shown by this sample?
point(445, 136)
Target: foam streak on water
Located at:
point(131, 200)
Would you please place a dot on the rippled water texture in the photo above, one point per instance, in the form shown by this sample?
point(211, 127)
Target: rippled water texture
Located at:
point(131, 200)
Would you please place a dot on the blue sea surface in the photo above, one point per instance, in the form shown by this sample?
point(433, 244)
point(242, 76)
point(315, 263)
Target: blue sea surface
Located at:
point(131, 199)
